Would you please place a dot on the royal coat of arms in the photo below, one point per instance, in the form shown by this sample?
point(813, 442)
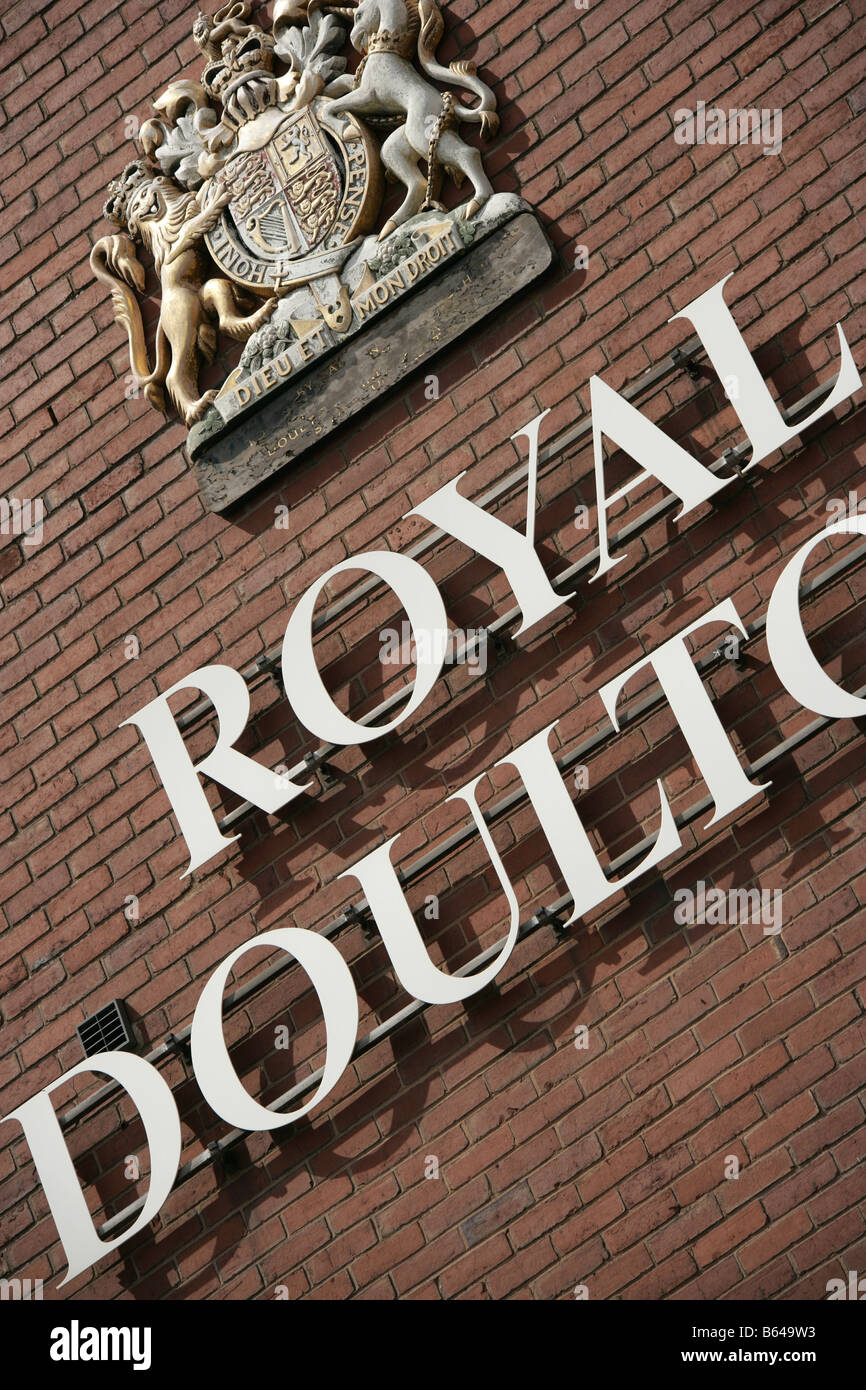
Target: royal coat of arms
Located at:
point(258, 192)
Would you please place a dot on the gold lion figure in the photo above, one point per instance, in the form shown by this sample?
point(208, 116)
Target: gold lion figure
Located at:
point(151, 209)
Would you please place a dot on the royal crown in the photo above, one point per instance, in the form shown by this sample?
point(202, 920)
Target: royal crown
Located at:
point(252, 55)
point(121, 189)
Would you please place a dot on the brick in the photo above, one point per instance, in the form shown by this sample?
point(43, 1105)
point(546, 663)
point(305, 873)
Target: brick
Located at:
point(779, 1126)
point(729, 1235)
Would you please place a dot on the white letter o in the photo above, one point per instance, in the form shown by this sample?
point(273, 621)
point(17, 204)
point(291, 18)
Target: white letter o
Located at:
point(426, 613)
point(212, 1065)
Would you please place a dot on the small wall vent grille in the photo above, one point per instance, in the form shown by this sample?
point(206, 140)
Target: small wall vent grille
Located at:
point(108, 1030)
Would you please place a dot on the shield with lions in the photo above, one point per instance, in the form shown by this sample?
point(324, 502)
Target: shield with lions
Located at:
point(300, 195)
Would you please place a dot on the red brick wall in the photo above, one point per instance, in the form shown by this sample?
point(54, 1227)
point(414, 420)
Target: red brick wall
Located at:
point(558, 1167)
